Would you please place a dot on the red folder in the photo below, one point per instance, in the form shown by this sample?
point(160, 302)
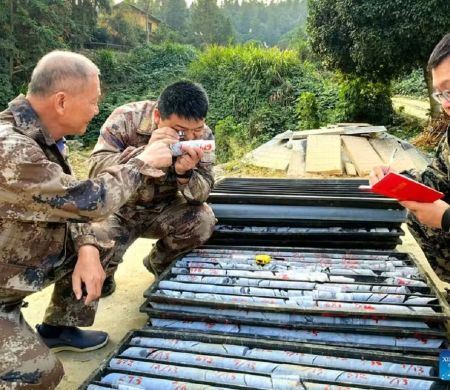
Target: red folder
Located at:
point(400, 187)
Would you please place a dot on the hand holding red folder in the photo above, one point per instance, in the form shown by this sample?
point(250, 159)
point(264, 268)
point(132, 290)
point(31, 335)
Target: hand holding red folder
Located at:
point(430, 214)
point(397, 186)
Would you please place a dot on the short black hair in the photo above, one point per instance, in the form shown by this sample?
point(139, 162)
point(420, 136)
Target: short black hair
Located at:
point(440, 52)
point(185, 99)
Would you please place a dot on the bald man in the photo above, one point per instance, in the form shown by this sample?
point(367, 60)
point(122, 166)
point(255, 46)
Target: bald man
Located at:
point(45, 214)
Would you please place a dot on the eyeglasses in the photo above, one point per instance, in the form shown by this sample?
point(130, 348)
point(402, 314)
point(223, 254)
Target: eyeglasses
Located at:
point(440, 97)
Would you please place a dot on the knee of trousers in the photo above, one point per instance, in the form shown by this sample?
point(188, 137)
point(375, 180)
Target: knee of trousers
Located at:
point(27, 363)
point(206, 221)
point(55, 374)
point(44, 371)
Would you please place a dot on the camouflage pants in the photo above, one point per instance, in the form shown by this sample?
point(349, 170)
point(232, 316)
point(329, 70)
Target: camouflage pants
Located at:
point(25, 361)
point(178, 226)
point(435, 244)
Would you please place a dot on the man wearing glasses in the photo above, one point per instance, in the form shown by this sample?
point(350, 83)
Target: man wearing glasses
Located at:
point(430, 222)
point(172, 208)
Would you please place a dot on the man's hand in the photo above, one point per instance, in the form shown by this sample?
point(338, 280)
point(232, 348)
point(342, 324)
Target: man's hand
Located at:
point(429, 214)
point(378, 173)
point(88, 270)
point(189, 160)
point(164, 134)
point(157, 154)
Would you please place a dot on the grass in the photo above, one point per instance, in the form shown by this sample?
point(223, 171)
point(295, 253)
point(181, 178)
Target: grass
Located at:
point(406, 126)
point(78, 160)
point(237, 168)
point(420, 108)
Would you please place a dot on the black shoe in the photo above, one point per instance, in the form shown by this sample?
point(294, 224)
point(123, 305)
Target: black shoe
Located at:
point(71, 338)
point(151, 267)
point(109, 286)
point(147, 264)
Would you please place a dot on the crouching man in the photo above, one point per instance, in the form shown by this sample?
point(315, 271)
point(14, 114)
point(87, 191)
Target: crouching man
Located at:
point(45, 235)
point(171, 208)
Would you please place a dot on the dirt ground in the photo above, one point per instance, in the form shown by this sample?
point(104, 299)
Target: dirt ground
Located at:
point(119, 313)
point(414, 107)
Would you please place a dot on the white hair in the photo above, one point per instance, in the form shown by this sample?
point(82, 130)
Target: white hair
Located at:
point(61, 70)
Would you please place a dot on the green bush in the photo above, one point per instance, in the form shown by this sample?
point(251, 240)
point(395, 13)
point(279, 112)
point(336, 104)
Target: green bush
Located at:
point(243, 77)
point(258, 87)
point(232, 140)
point(307, 111)
point(108, 63)
point(138, 75)
point(255, 93)
point(152, 67)
point(364, 101)
point(411, 85)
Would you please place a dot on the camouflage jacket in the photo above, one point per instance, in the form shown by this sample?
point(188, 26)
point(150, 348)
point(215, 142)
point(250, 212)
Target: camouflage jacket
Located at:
point(39, 197)
point(437, 174)
point(126, 130)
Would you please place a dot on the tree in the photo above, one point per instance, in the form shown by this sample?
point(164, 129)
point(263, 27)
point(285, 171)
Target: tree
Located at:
point(377, 39)
point(83, 18)
point(7, 50)
point(265, 22)
point(152, 6)
point(29, 29)
point(209, 24)
point(174, 13)
point(123, 32)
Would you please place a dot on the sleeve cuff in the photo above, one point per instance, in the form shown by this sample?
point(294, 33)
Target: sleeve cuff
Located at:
point(88, 239)
point(445, 223)
point(146, 169)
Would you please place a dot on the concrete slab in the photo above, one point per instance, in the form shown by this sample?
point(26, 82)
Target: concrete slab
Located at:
point(385, 148)
point(350, 169)
point(323, 154)
point(361, 154)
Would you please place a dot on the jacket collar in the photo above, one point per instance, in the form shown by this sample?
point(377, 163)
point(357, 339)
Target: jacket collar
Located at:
point(28, 122)
point(147, 124)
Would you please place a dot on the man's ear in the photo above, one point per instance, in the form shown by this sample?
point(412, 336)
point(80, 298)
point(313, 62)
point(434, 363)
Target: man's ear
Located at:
point(59, 102)
point(156, 116)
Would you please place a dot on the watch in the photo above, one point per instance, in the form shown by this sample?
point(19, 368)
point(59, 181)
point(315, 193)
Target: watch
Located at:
point(446, 221)
point(185, 175)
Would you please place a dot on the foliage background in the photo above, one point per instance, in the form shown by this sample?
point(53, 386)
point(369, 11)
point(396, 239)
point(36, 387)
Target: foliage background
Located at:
point(268, 66)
